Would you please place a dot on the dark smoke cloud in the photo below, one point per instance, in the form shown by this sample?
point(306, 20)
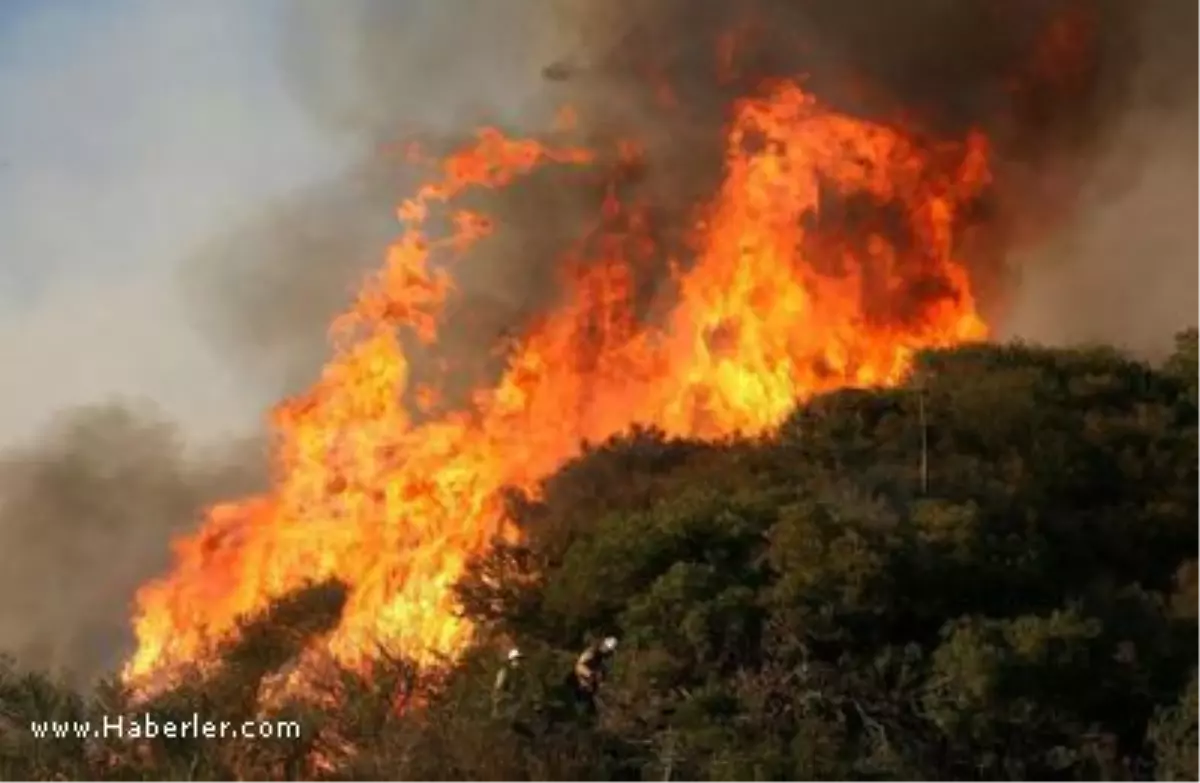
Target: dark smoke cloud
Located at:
point(1090, 106)
point(1083, 99)
point(86, 513)
point(1123, 268)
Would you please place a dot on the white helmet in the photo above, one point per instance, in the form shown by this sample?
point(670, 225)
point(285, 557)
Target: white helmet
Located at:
point(609, 644)
point(514, 654)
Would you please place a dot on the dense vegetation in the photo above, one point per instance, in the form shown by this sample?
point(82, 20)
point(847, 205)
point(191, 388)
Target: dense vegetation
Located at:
point(990, 573)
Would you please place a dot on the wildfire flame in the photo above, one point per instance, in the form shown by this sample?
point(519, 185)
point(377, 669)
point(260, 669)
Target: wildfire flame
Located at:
point(771, 308)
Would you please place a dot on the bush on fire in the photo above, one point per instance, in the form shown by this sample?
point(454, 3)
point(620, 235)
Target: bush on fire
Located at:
point(990, 573)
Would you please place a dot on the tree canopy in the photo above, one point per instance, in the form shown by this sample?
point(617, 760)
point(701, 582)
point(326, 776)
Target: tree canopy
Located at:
point(988, 573)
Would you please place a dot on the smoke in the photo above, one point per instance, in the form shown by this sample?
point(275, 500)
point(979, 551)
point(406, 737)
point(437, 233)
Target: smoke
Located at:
point(379, 74)
point(1123, 269)
point(379, 70)
point(84, 512)
point(130, 133)
point(1090, 106)
point(265, 291)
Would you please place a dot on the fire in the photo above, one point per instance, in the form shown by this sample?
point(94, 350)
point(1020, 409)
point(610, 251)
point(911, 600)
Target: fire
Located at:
point(772, 307)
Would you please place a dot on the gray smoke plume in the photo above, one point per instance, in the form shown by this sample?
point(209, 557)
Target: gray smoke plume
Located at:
point(1123, 269)
point(1090, 106)
point(85, 514)
point(381, 74)
point(265, 292)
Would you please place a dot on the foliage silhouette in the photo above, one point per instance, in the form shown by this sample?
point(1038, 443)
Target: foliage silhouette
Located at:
point(988, 573)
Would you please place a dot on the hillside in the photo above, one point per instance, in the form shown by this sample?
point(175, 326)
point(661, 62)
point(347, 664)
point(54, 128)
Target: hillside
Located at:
point(987, 573)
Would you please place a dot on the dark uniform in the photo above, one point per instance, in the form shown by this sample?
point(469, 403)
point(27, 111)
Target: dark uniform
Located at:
point(506, 684)
point(590, 670)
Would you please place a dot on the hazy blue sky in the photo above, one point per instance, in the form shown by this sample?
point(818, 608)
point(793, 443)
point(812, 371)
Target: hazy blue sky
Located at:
point(131, 131)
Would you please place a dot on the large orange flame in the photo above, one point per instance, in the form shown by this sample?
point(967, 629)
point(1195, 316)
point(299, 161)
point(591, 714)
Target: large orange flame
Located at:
point(394, 504)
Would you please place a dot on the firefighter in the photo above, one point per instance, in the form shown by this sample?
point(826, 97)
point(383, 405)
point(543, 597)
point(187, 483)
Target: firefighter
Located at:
point(590, 670)
point(506, 682)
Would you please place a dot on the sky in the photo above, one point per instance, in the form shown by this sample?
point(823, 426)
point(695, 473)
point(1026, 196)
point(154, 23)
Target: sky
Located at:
point(132, 132)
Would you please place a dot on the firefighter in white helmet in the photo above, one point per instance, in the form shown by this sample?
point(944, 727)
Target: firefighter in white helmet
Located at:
point(591, 668)
point(506, 685)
